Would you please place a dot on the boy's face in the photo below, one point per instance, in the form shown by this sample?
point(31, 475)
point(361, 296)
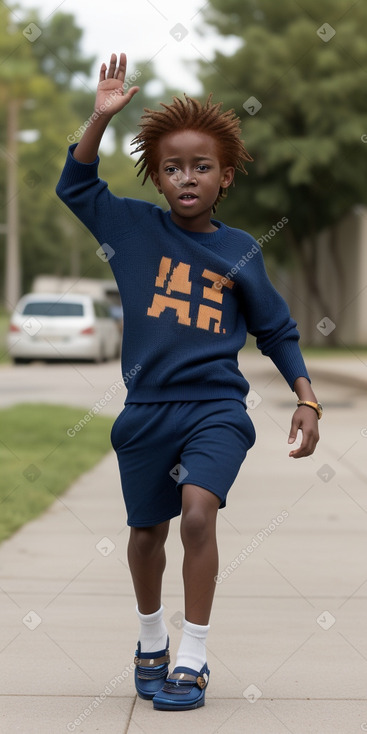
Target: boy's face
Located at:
point(189, 175)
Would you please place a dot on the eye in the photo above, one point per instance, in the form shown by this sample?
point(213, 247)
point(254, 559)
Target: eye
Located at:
point(203, 167)
point(171, 169)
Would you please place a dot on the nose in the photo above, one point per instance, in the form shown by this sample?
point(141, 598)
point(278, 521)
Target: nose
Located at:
point(188, 178)
point(184, 178)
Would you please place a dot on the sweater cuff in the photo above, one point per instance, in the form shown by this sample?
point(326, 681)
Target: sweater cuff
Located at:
point(80, 163)
point(288, 358)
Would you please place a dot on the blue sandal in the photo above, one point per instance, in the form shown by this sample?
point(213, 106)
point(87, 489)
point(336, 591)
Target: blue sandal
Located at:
point(183, 690)
point(151, 670)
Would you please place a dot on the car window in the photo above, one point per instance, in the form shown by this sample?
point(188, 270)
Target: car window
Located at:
point(52, 308)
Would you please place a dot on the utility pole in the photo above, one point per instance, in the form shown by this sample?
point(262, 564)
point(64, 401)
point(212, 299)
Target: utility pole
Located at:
point(12, 258)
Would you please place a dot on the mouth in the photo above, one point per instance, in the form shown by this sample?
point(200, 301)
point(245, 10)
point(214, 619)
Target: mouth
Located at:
point(188, 198)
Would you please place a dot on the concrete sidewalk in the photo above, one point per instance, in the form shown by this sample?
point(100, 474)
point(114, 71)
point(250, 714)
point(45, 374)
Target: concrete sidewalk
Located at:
point(350, 370)
point(287, 647)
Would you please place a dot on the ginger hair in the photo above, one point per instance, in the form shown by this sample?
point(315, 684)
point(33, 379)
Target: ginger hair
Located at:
point(190, 114)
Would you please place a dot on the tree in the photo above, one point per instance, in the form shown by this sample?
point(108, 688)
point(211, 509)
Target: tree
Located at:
point(58, 52)
point(304, 127)
point(46, 80)
point(18, 75)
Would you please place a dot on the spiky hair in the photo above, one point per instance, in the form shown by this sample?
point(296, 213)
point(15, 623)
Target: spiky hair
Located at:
point(190, 114)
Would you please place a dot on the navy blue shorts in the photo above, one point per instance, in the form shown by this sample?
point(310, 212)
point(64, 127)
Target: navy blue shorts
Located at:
point(161, 446)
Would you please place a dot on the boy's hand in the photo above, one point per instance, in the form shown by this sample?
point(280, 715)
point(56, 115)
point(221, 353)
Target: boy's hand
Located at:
point(304, 418)
point(110, 97)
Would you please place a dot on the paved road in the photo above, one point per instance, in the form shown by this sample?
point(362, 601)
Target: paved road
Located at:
point(79, 383)
point(74, 383)
point(287, 646)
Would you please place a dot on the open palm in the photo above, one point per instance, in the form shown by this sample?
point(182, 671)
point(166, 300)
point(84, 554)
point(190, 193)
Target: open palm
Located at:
point(110, 97)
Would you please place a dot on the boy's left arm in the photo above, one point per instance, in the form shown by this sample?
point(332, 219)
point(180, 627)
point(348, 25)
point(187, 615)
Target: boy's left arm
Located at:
point(268, 319)
point(304, 418)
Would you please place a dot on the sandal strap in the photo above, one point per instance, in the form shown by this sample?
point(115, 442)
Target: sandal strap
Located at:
point(150, 662)
point(201, 680)
point(153, 673)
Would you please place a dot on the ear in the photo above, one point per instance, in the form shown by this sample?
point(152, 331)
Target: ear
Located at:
point(155, 178)
point(227, 177)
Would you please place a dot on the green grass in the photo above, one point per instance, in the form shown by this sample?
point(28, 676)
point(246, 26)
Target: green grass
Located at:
point(318, 351)
point(39, 460)
point(334, 352)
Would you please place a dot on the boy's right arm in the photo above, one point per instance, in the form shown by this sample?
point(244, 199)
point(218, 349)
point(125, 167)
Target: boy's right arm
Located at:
point(80, 187)
point(110, 99)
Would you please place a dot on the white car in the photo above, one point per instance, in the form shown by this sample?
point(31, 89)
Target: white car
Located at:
point(55, 326)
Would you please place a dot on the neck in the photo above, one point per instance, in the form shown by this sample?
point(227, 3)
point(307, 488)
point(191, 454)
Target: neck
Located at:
point(202, 223)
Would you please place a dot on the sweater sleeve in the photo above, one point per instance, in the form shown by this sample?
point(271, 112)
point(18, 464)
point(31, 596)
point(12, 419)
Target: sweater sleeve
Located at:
point(268, 319)
point(90, 199)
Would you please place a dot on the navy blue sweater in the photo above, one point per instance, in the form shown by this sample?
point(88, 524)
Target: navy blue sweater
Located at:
point(189, 299)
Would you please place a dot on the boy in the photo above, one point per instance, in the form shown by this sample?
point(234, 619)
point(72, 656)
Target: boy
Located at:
point(191, 288)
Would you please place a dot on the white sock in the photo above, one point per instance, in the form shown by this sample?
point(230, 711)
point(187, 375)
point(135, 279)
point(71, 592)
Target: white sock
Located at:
point(153, 631)
point(192, 650)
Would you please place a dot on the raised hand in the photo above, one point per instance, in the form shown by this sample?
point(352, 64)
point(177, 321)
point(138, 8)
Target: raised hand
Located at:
point(111, 97)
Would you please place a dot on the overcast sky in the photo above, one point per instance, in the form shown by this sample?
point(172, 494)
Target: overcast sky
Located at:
point(163, 30)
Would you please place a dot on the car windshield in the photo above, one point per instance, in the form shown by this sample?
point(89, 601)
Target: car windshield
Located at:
point(53, 308)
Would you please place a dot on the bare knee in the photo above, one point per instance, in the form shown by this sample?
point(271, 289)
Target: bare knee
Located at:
point(195, 528)
point(199, 515)
point(149, 540)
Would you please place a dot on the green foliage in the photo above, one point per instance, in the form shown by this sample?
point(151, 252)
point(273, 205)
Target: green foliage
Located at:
point(39, 460)
point(50, 80)
point(57, 51)
point(306, 138)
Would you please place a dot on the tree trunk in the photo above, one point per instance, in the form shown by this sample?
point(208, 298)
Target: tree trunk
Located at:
point(12, 260)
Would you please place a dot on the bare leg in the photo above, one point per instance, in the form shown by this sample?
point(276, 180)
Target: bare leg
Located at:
point(147, 561)
point(200, 565)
